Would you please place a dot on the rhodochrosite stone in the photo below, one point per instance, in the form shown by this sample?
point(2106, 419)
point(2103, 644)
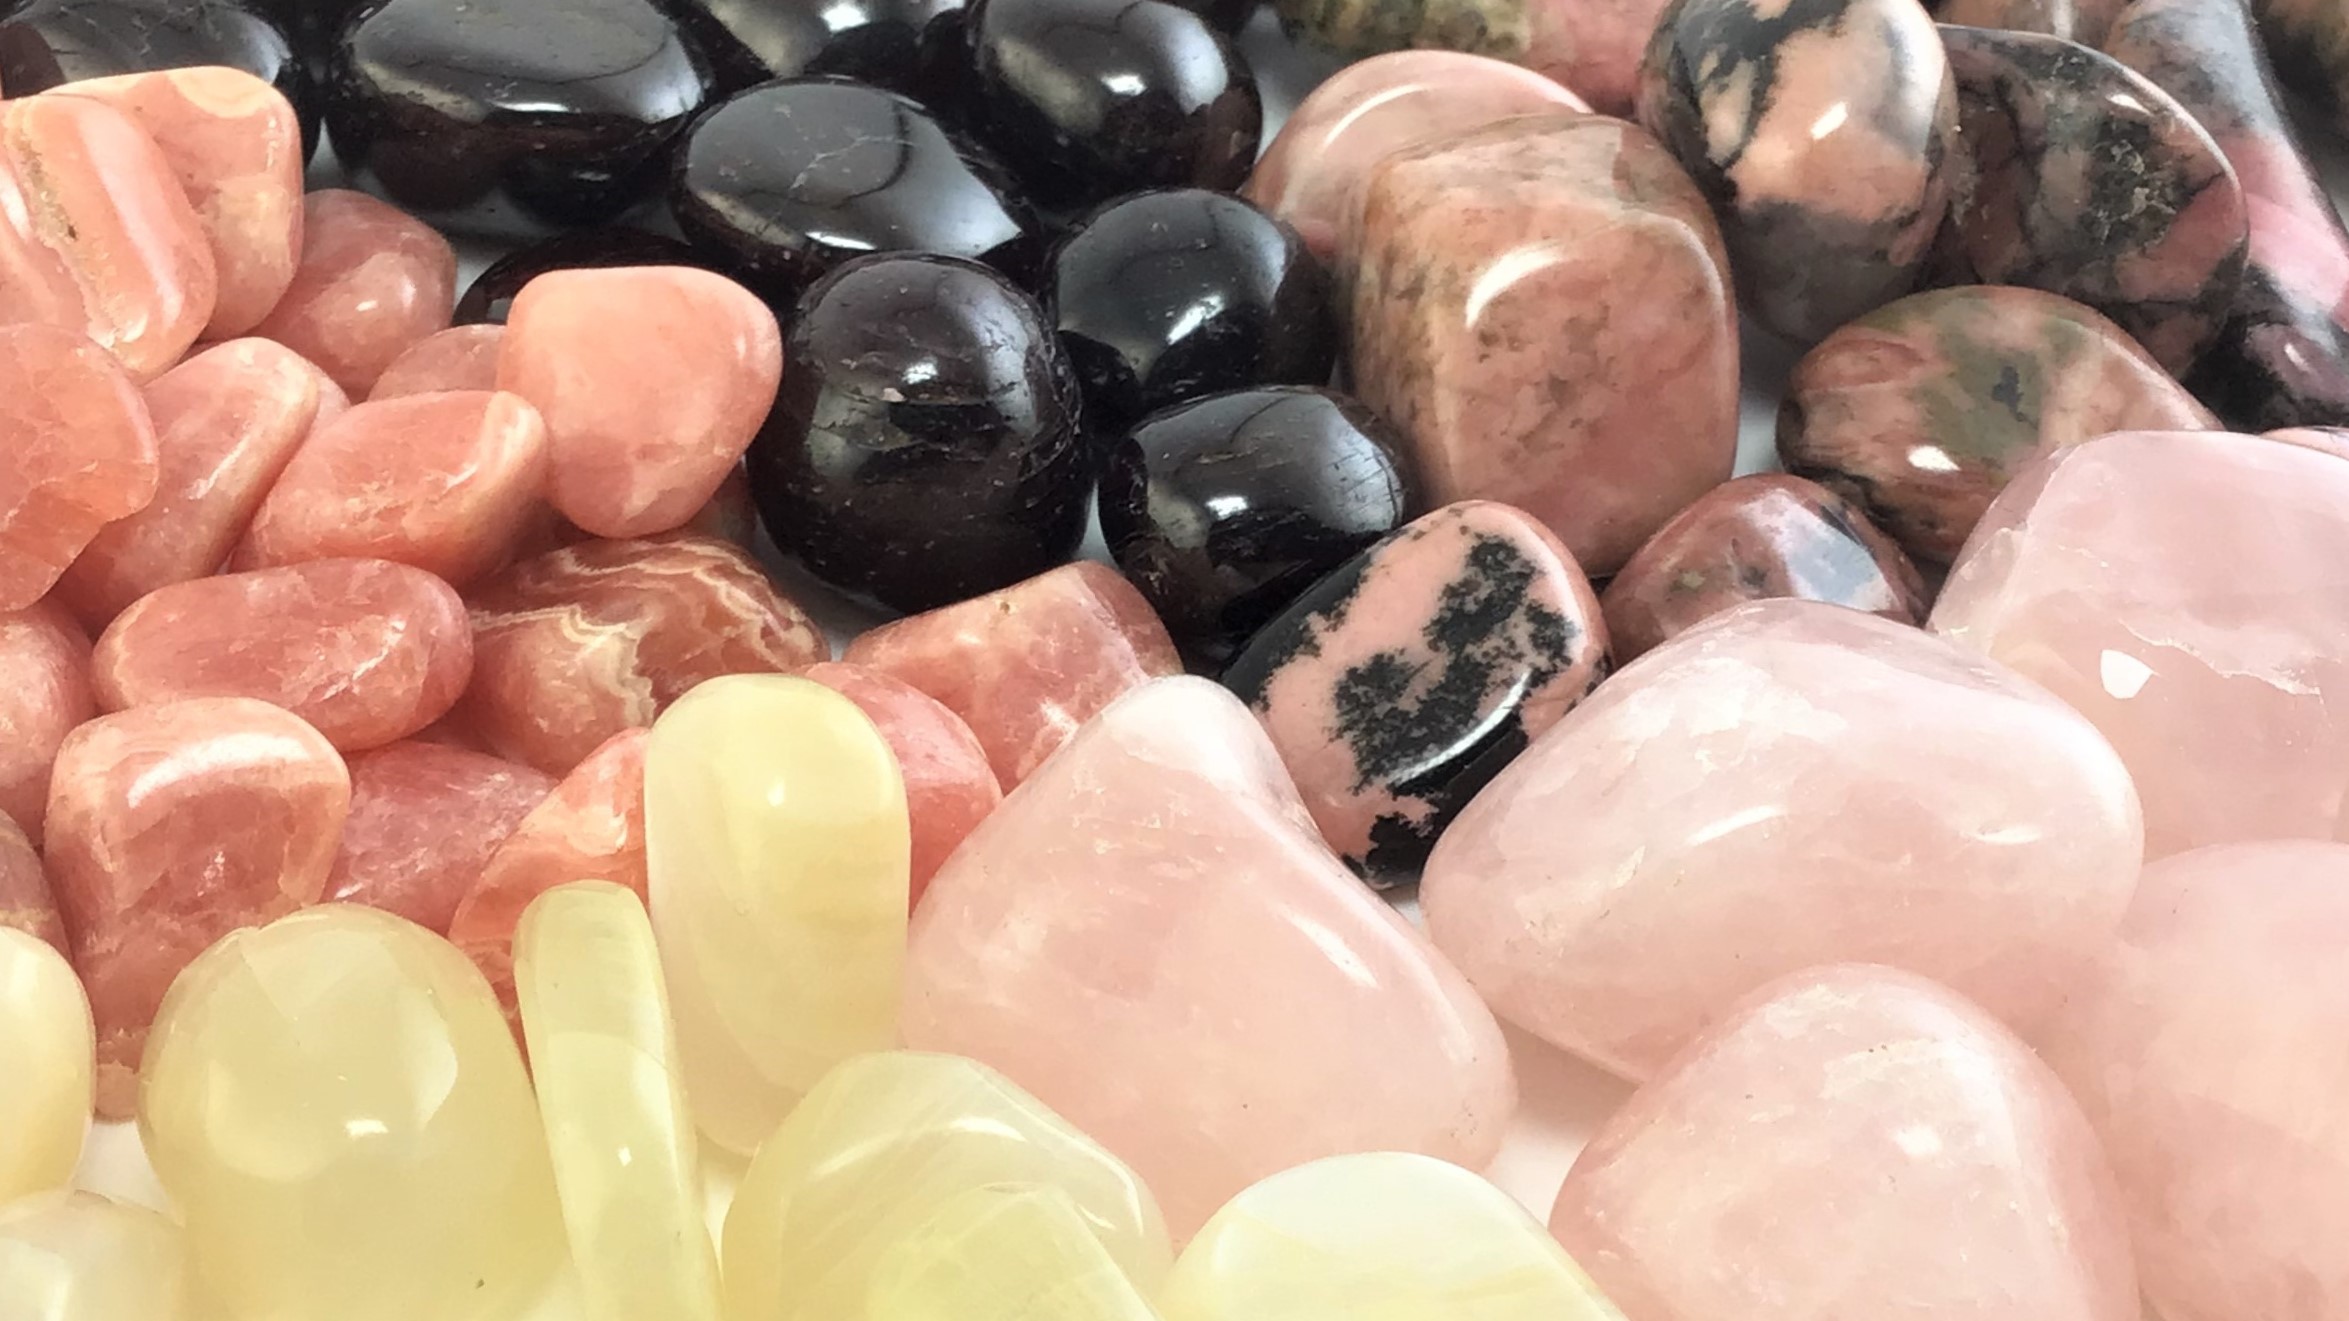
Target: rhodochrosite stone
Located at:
point(949, 789)
point(81, 453)
point(459, 358)
point(1169, 887)
point(2215, 658)
point(45, 1036)
point(372, 281)
point(26, 902)
point(75, 1256)
point(44, 693)
point(425, 820)
point(1792, 784)
point(1851, 1142)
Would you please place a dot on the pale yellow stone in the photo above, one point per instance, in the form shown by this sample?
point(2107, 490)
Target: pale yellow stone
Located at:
point(778, 851)
point(336, 1105)
point(1377, 1237)
point(75, 1256)
point(879, 1148)
point(1005, 1252)
point(604, 1055)
point(45, 1067)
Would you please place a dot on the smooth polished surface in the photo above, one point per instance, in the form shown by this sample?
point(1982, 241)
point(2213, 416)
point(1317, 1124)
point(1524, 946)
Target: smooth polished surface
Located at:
point(949, 787)
point(1006, 1252)
point(490, 298)
point(910, 46)
point(44, 695)
point(50, 1046)
point(27, 904)
point(44, 43)
point(1592, 47)
point(425, 820)
point(372, 281)
point(75, 1256)
point(459, 358)
point(82, 453)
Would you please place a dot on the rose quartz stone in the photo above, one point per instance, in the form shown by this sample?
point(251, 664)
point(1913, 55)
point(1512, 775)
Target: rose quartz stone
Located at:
point(372, 281)
point(226, 421)
point(949, 788)
point(1790, 784)
point(1851, 1144)
point(366, 651)
point(2189, 593)
point(653, 380)
point(169, 827)
point(234, 145)
point(1150, 936)
point(425, 819)
point(81, 453)
point(25, 901)
point(44, 693)
point(459, 358)
point(445, 482)
point(576, 645)
point(96, 235)
point(1026, 665)
point(2208, 1049)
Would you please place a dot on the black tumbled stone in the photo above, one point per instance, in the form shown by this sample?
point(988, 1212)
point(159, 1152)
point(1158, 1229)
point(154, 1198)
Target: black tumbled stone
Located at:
point(491, 295)
point(47, 42)
point(911, 46)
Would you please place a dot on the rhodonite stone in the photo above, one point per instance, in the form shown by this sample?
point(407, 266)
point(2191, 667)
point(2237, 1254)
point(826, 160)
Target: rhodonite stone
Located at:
point(171, 826)
point(1401, 683)
point(1752, 539)
point(81, 451)
point(1921, 411)
point(1166, 840)
point(26, 903)
point(366, 651)
point(2309, 44)
point(76, 1256)
point(2083, 21)
point(1825, 137)
point(1604, 896)
point(44, 694)
point(1851, 1142)
point(2211, 659)
point(425, 820)
point(1006, 1252)
point(1593, 48)
point(45, 43)
point(949, 788)
point(1549, 384)
point(1225, 510)
point(459, 358)
point(912, 46)
point(646, 413)
point(776, 842)
point(490, 298)
point(45, 1036)
point(1025, 666)
point(336, 1108)
point(372, 281)
point(926, 445)
point(2326, 440)
point(581, 643)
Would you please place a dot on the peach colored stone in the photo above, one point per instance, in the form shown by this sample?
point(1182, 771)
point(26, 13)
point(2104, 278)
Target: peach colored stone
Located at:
point(576, 645)
point(1150, 936)
point(44, 693)
point(949, 788)
point(425, 820)
point(96, 236)
point(169, 827)
point(653, 380)
point(81, 453)
point(25, 901)
point(372, 281)
point(445, 482)
point(729, 516)
point(366, 651)
point(1852, 1143)
point(1026, 665)
point(459, 358)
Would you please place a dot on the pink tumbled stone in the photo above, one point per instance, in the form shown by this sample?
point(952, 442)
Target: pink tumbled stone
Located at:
point(653, 380)
point(372, 281)
point(1150, 936)
point(25, 900)
point(169, 827)
point(44, 693)
point(459, 358)
point(425, 820)
point(949, 788)
point(81, 453)
point(576, 645)
point(2189, 593)
point(366, 651)
point(1026, 665)
point(1851, 1144)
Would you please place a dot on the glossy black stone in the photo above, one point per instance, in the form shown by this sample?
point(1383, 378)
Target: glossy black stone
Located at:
point(47, 42)
point(912, 46)
point(1224, 510)
point(1088, 99)
point(315, 25)
point(924, 448)
point(491, 295)
point(506, 114)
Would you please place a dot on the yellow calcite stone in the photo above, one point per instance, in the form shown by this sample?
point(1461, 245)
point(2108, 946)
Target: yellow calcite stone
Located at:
point(45, 1067)
point(1006, 1252)
point(777, 848)
point(336, 1105)
point(604, 1055)
point(884, 1145)
point(1377, 1237)
point(75, 1256)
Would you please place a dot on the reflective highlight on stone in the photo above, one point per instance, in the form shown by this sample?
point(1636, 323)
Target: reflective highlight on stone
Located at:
point(46, 1037)
point(372, 281)
point(1006, 1252)
point(949, 788)
point(76, 1256)
point(81, 454)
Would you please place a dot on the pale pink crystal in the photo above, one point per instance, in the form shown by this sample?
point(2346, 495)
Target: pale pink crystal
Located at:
point(459, 358)
point(372, 281)
point(81, 453)
point(25, 899)
point(44, 693)
point(425, 820)
point(949, 788)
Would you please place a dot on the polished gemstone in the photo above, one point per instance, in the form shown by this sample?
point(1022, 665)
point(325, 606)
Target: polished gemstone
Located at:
point(44, 695)
point(490, 298)
point(76, 1256)
point(372, 281)
point(911, 46)
point(459, 358)
point(425, 820)
point(44, 43)
point(26, 902)
point(81, 454)
point(1005, 1252)
point(45, 1036)
point(1594, 49)
point(949, 788)
point(2083, 21)
point(2309, 42)
point(2325, 440)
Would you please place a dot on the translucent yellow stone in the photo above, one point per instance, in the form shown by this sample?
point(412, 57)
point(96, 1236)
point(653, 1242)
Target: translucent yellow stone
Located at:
point(881, 1147)
point(74, 1256)
point(604, 1055)
point(1006, 1252)
point(337, 1107)
point(45, 1067)
point(778, 852)
point(1377, 1237)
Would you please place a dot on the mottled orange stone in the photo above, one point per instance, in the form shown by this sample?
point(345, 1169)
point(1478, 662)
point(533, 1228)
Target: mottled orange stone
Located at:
point(366, 651)
point(949, 788)
point(425, 820)
point(25, 900)
point(169, 827)
point(459, 358)
point(372, 281)
point(81, 452)
point(44, 693)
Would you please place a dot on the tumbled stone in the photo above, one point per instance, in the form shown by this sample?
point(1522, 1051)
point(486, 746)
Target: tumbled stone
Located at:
point(1025, 666)
point(372, 281)
point(1756, 538)
point(1542, 307)
point(47, 43)
point(652, 380)
point(76, 1256)
point(1166, 837)
point(2182, 591)
point(1400, 684)
point(1005, 1252)
point(882, 1144)
point(81, 454)
point(2083, 21)
point(425, 820)
point(2324, 440)
point(336, 1108)
point(2309, 43)
point(1921, 411)
point(44, 694)
point(579, 644)
point(1593, 48)
point(776, 844)
point(1869, 793)
point(911, 46)
point(949, 788)
point(171, 826)
point(490, 298)
point(26, 902)
point(366, 651)
point(459, 358)
point(1851, 1142)
point(45, 1036)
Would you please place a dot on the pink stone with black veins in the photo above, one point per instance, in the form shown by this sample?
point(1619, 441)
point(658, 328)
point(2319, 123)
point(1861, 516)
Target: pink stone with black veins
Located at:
point(459, 358)
point(425, 820)
point(372, 281)
point(366, 651)
point(81, 453)
point(44, 694)
point(949, 788)
point(25, 899)
point(1542, 306)
point(1592, 46)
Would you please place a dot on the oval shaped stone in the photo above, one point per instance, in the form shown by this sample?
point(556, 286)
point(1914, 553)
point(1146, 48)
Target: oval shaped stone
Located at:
point(1594, 49)
point(490, 298)
point(47, 43)
point(1005, 1252)
point(82, 453)
point(912, 46)
point(459, 358)
point(425, 820)
point(2083, 21)
point(26, 903)
point(76, 1256)
point(47, 1039)
point(44, 696)
point(372, 281)
point(949, 788)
